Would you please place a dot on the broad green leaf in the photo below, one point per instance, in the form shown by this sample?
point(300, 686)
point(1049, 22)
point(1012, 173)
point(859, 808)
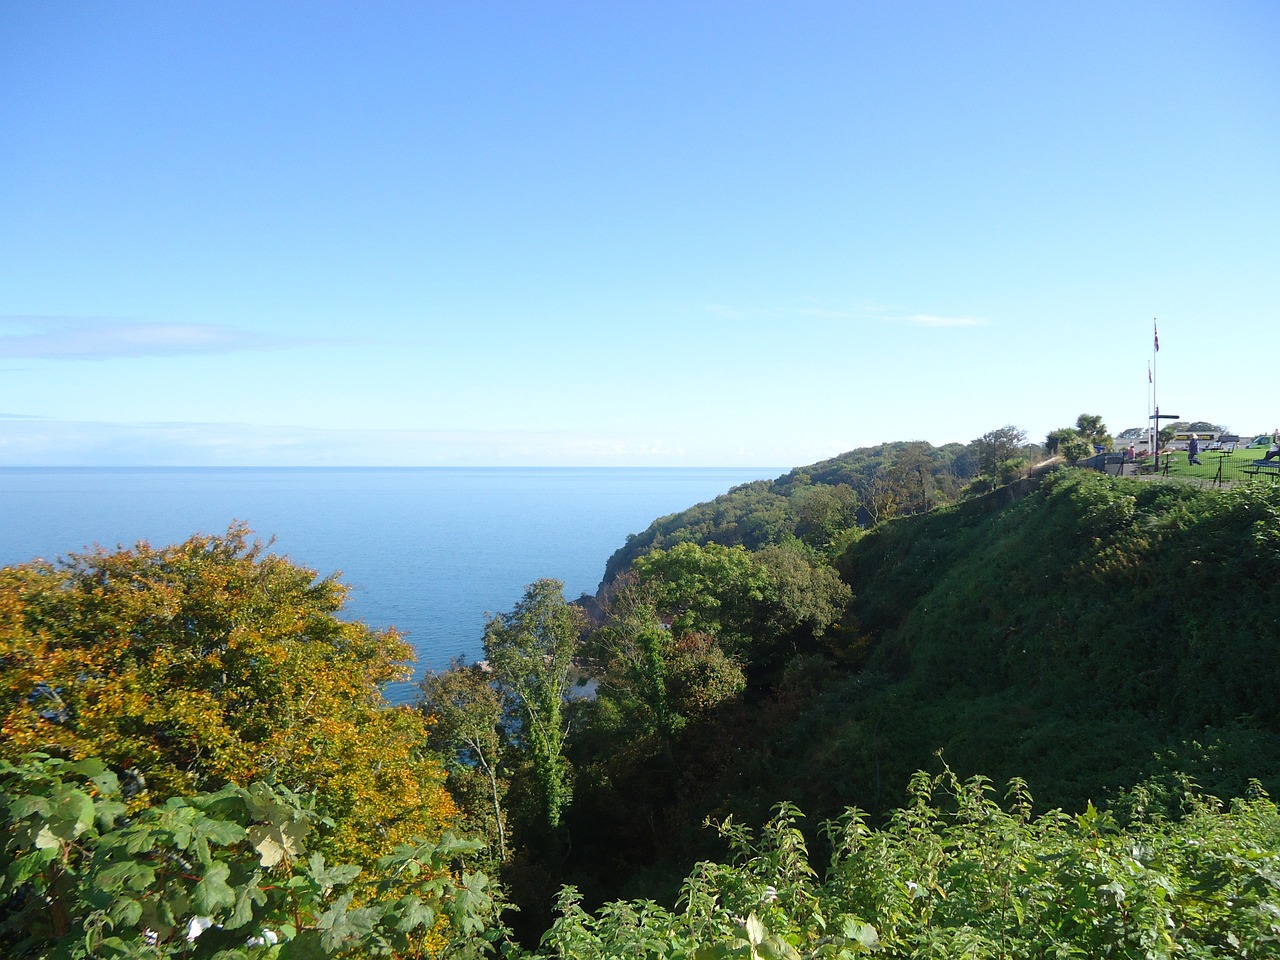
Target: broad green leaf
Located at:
point(328, 877)
point(212, 893)
point(130, 874)
point(412, 913)
point(222, 832)
point(22, 807)
point(305, 946)
point(246, 896)
point(72, 815)
point(47, 839)
point(25, 867)
point(126, 912)
point(861, 933)
point(340, 923)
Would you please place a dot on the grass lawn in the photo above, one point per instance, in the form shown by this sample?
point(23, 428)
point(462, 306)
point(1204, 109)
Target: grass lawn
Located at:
point(1233, 466)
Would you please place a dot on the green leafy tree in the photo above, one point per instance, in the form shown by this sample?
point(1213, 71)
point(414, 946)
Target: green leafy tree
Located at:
point(1076, 448)
point(757, 605)
point(824, 512)
point(1068, 444)
point(802, 599)
point(531, 651)
point(709, 589)
point(1056, 438)
point(1001, 453)
point(466, 713)
point(628, 655)
point(702, 678)
point(1093, 430)
point(916, 468)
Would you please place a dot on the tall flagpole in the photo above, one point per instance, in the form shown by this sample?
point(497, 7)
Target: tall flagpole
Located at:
point(1155, 401)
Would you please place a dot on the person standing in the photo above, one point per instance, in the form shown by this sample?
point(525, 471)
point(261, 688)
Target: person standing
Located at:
point(1275, 447)
point(1193, 449)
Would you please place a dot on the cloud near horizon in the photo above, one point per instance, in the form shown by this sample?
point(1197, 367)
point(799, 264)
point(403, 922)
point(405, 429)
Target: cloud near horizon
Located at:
point(94, 338)
point(35, 442)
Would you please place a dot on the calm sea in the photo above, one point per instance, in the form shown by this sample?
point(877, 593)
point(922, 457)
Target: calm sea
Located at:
point(429, 551)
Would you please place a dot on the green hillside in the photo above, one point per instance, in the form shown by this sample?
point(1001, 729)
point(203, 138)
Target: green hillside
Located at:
point(815, 504)
point(1083, 637)
point(1103, 639)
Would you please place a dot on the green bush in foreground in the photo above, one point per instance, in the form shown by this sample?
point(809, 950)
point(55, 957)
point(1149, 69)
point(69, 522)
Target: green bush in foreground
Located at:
point(955, 875)
point(221, 876)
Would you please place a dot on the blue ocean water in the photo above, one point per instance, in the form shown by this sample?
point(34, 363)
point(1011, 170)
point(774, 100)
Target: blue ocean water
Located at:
point(429, 551)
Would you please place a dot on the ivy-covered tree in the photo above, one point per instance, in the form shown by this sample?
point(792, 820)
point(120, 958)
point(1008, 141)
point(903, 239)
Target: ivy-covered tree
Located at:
point(214, 662)
point(1056, 438)
point(629, 656)
point(531, 651)
point(1080, 441)
point(1000, 446)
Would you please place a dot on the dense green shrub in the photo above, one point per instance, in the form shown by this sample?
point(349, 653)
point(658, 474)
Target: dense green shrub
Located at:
point(955, 874)
point(220, 875)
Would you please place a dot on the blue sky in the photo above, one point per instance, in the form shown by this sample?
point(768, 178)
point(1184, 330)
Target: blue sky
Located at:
point(597, 233)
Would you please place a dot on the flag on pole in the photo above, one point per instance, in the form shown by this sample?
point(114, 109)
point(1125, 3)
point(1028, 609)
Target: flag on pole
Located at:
point(1149, 373)
point(1157, 333)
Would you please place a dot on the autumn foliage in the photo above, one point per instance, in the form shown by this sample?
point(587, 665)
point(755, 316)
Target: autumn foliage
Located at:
point(216, 662)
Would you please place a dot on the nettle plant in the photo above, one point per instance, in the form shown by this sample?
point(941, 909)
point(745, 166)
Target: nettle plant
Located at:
point(218, 875)
point(957, 874)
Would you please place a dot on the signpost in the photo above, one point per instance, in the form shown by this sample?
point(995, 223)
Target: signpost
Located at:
point(1157, 417)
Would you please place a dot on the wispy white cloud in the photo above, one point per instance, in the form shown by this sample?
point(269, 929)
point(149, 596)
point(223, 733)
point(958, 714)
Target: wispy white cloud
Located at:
point(93, 338)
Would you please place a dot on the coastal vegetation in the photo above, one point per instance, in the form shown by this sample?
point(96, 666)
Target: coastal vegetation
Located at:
point(1024, 713)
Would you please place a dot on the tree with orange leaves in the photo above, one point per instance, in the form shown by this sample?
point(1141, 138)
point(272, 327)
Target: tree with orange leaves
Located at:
point(215, 662)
